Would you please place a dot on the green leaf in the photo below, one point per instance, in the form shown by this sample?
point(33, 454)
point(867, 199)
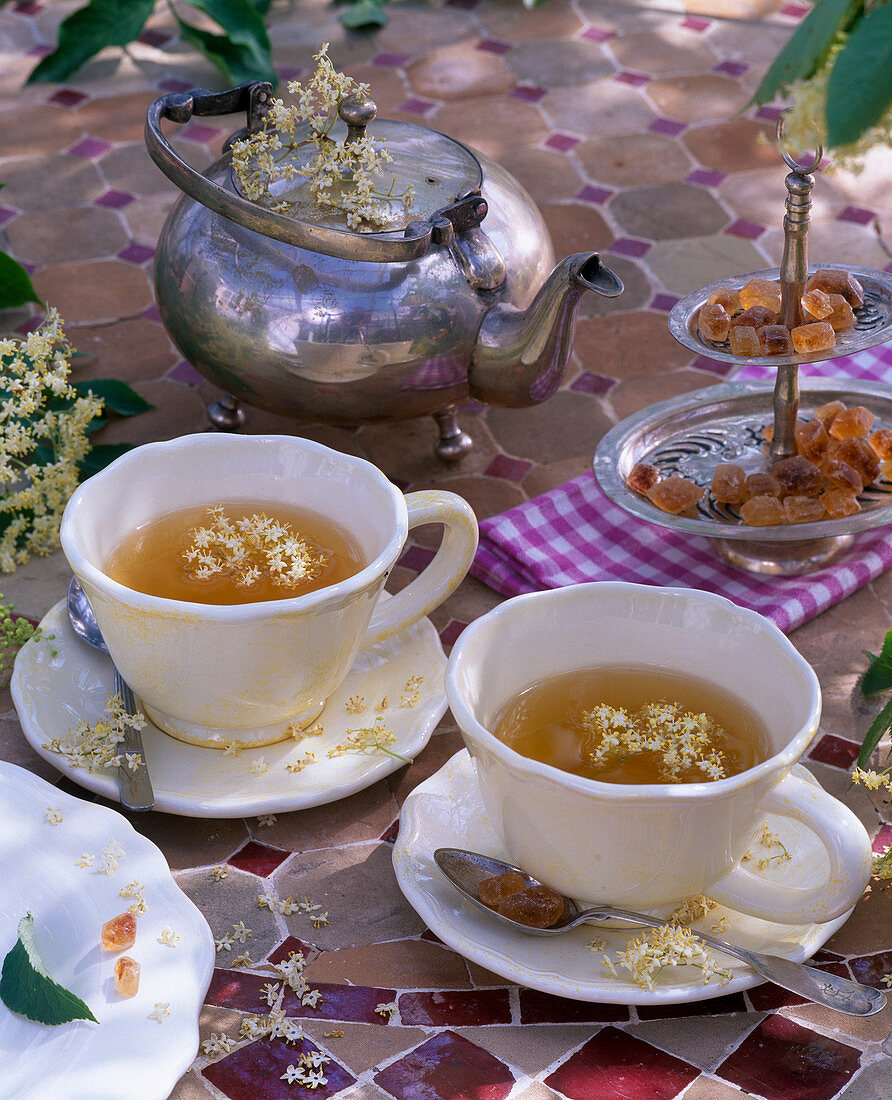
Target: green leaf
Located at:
point(26, 986)
point(860, 87)
point(879, 727)
point(879, 675)
point(262, 6)
point(116, 395)
point(100, 456)
point(804, 51)
point(16, 287)
point(364, 13)
point(238, 63)
point(88, 30)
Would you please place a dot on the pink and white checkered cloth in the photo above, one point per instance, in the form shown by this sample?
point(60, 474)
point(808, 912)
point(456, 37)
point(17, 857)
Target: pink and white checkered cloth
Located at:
point(575, 533)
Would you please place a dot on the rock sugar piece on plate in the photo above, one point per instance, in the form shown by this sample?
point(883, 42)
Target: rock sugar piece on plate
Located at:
point(28, 988)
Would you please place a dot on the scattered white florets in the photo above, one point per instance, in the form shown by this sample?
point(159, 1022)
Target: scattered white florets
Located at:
point(96, 746)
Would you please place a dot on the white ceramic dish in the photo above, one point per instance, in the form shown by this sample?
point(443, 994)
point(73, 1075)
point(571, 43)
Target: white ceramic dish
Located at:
point(52, 694)
point(447, 811)
point(128, 1054)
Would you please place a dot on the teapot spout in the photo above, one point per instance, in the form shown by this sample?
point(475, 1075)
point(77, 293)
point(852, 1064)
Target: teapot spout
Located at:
point(520, 354)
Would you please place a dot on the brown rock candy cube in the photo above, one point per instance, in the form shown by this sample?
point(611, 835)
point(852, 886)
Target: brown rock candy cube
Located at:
point(832, 281)
point(675, 494)
point(827, 412)
point(859, 455)
point(775, 340)
point(713, 323)
point(126, 976)
point(754, 317)
point(816, 305)
point(760, 485)
point(816, 336)
point(762, 511)
point(761, 292)
point(886, 470)
point(842, 316)
point(803, 509)
point(726, 297)
point(797, 477)
point(841, 475)
point(744, 340)
point(728, 483)
point(839, 502)
point(852, 423)
point(119, 933)
point(881, 443)
point(642, 477)
point(813, 440)
point(494, 890)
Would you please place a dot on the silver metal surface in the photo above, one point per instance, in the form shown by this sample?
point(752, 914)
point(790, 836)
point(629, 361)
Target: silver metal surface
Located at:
point(466, 870)
point(691, 434)
point(135, 786)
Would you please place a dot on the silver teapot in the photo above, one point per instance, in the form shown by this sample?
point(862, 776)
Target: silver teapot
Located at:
point(295, 313)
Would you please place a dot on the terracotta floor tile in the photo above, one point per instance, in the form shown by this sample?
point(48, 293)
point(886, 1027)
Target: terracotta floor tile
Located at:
point(363, 1046)
point(258, 859)
point(130, 350)
point(190, 1087)
point(567, 425)
point(705, 1043)
point(628, 345)
point(406, 964)
point(445, 743)
point(50, 182)
point(486, 495)
point(669, 211)
point(732, 146)
point(576, 227)
point(637, 292)
point(697, 97)
point(760, 195)
point(633, 394)
point(781, 1060)
point(565, 63)
point(831, 242)
point(454, 73)
point(89, 231)
point(190, 842)
point(50, 130)
point(688, 264)
point(547, 176)
point(866, 930)
point(530, 1049)
point(444, 1068)
point(504, 21)
point(733, 39)
point(101, 291)
point(214, 1019)
point(604, 107)
point(860, 1029)
point(492, 123)
point(178, 411)
point(420, 26)
point(407, 451)
point(616, 1065)
point(668, 50)
point(232, 900)
point(634, 159)
point(388, 88)
point(708, 1088)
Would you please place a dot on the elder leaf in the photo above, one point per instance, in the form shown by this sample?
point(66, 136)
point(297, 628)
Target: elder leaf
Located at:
point(16, 287)
point(240, 58)
point(803, 52)
point(87, 31)
point(879, 727)
point(364, 13)
point(27, 987)
point(115, 395)
point(860, 87)
point(879, 673)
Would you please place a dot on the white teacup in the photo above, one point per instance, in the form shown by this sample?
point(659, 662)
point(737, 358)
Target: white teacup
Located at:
point(208, 674)
point(651, 846)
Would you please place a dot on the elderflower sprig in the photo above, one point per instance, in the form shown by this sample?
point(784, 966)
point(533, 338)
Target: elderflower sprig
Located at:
point(295, 142)
point(669, 945)
point(369, 739)
point(96, 746)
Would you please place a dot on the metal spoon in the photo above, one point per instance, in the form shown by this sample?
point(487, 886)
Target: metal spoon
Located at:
point(135, 786)
point(466, 870)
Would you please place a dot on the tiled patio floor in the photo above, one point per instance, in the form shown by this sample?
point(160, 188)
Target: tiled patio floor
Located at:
point(628, 124)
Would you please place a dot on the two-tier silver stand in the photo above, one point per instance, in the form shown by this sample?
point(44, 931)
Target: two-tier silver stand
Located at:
point(689, 435)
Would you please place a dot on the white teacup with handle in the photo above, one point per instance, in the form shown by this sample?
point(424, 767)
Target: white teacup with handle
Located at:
point(209, 674)
point(651, 846)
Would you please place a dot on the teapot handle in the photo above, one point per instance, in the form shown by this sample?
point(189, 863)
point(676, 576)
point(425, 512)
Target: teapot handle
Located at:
point(253, 98)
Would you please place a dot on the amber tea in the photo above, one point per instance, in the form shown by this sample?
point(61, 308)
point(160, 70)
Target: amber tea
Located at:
point(238, 552)
point(632, 725)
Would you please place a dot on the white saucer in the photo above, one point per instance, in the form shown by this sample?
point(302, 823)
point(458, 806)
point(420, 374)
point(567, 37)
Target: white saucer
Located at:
point(446, 811)
point(128, 1054)
point(52, 694)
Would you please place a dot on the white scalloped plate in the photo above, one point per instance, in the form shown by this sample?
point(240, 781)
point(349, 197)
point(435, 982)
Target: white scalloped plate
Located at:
point(127, 1054)
point(446, 811)
point(53, 693)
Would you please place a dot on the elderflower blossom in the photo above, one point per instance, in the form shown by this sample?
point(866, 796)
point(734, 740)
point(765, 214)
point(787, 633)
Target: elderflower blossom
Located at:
point(294, 143)
point(682, 742)
point(249, 549)
point(41, 444)
point(95, 746)
point(217, 1044)
point(871, 779)
point(669, 945)
point(368, 738)
point(54, 816)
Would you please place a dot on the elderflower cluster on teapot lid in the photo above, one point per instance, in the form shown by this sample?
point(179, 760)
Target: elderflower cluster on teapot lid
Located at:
point(315, 162)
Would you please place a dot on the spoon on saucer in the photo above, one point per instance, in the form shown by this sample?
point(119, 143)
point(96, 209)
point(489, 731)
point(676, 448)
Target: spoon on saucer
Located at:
point(135, 787)
point(466, 870)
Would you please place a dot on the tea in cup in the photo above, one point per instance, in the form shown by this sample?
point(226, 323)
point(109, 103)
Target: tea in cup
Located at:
point(235, 578)
point(630, 740)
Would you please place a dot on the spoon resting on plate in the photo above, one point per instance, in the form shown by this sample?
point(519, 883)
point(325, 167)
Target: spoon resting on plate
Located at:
point(466, 870)
point(135, 786)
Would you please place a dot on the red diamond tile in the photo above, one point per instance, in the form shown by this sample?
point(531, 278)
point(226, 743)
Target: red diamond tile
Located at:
point(416, 558)
point(835, 751)
point(781, 1060)
point(451, 632)
point(714, 1006)
point(747, 230)
point(592, 383)
point(174, 84)
point(196, 132)
point(529, 93)
point(590, 193)
point(431, 937)
point(667, 126)
point(731, 68)
point(115, 200)
point(562, 143)
point(259, 859)
point(288, 72)
point(857, 214)
point(356, 1003)
point(629, 246)
point(663, 302)
point(768, 996)
point(882, 840)
point(31, 324)
point(509, 469)
point(289, 945)
point(254, 1072)
point(186, 373)
point(597, 34)
point(490, 45)
point(27, 7)
point(616, 1066)
point(154, 38)
point(137, 254)
point(543, 1008)
point(871, 969)
point(455, 1008)
point(417, 106)
point(637, 80)
point(705, 178)
point(40, 50)
point(6, 214)
point(473, 407)
point(391, 832)
point(714, 366)
point(694, 24)
point(90, 148)
point(447, 1067)
point(68, 97)
point(390, 60)
point(770, 114)
point(795, 11)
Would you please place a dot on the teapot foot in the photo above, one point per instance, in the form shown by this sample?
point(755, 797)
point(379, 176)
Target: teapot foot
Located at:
point(226, 415)
point(453, 443)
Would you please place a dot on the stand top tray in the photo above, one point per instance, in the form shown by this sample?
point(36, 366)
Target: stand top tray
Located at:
point(690, 434)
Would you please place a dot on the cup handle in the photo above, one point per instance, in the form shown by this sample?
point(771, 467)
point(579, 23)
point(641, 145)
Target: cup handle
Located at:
point(442, 576)
point(848, 850)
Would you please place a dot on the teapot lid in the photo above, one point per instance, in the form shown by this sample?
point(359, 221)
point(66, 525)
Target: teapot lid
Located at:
point(439, 169)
